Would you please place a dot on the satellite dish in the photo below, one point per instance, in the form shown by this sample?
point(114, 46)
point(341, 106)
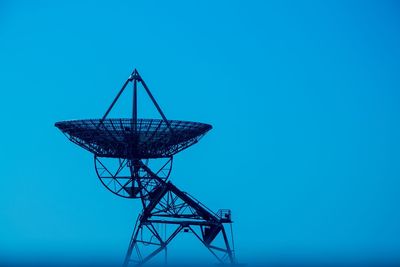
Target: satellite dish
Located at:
point(133, 159)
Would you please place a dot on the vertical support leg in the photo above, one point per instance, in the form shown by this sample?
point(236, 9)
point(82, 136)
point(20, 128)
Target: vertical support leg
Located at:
point(132, 243)
point(166, 256)
point(228, 248)
point(222, 251)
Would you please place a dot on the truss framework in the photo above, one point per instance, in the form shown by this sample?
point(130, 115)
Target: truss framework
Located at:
point(169, 206)
point(165, 206)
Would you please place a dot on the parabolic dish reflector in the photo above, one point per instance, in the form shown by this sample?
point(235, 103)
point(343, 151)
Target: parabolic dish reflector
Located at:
point(129, 139)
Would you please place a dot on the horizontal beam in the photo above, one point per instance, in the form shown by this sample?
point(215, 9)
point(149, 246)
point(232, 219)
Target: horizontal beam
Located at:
point(184, 222)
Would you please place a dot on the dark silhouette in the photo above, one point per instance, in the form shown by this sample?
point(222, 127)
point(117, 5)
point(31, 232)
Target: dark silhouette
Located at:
point(125, 151)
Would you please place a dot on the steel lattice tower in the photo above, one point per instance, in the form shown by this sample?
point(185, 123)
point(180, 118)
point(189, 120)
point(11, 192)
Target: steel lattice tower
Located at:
point(133, 159)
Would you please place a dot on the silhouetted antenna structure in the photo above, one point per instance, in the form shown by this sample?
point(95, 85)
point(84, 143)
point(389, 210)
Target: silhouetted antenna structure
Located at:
point(133, 159)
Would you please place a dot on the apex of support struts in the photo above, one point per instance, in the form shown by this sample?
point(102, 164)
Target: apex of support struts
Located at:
point(134, 76)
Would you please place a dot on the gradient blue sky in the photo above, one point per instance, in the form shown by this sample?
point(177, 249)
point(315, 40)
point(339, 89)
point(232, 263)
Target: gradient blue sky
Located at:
point(304, 100)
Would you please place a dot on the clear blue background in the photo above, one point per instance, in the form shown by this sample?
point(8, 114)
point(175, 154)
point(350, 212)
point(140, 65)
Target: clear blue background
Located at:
point(304, 100)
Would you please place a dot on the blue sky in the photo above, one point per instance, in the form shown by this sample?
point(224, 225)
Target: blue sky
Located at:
point(303, 97)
